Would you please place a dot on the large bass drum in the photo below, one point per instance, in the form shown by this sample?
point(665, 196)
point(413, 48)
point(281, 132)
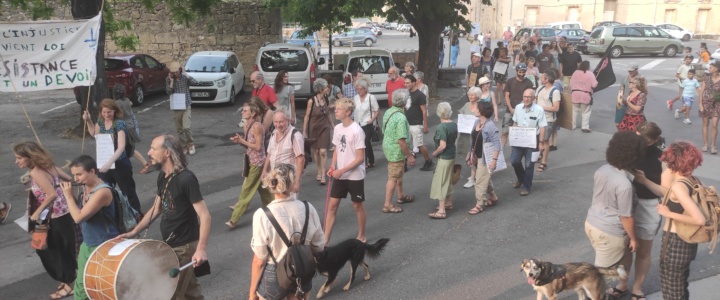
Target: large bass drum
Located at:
point(131, 269)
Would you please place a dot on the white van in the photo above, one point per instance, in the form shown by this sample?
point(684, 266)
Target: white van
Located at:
point(298, 60)
point(565, 25)
point(374, 64)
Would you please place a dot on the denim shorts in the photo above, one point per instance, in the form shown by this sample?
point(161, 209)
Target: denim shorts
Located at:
point(688, 101)
point(269, 287)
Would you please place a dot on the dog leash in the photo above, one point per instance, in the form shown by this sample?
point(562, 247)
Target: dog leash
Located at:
point(327, 200)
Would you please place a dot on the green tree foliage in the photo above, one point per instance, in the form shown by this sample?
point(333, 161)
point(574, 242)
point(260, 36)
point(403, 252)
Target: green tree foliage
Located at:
point(428, 17)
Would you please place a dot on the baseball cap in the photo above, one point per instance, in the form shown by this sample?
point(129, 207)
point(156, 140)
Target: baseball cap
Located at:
point(478, 54)
point(521, 66)
point(174, 66)
point(633, 67)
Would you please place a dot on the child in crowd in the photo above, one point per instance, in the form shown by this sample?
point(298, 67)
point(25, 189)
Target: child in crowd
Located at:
point(688, 52)
point(532, 71)
point(689, 86)
point(704, 55)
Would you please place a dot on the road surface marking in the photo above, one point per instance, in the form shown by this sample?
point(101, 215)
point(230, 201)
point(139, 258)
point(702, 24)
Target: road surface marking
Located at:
point(149, 108)
point(59, 107)
point(652, 64)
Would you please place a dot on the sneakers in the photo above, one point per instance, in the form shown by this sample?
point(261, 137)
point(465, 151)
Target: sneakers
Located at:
point(677, 114)
point(686, 121)
point(470, 183)
point(553, 148)
point(191, 150)
point(5, 212)
point(427, 166)
point(669, 104)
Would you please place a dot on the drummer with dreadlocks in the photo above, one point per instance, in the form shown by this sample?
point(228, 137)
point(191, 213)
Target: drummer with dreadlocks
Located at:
point(185, 223)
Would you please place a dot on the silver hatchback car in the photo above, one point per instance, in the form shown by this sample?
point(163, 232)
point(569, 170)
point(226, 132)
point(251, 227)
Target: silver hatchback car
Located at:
point(633, 39)
point(356, 36)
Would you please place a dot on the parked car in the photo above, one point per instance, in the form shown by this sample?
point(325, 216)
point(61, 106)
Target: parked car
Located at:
point(392, 25)
point(573, 35)
point(547, 34)
point(141, 74)
point(582, 44)
point(676, 31)
point(606, 24)
point(405, 27)
point(357, 36)
point(633, 40)
point(220, 77)
point(300, 39)
point(374, 65)
point(565, 25)
point(376, 30)
point(299, 60)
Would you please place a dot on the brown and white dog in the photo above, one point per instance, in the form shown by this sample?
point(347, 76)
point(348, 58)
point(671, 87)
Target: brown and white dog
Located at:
point(586, 279)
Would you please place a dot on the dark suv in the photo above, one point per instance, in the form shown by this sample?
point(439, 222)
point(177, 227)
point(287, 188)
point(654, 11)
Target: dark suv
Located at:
point(141, 74)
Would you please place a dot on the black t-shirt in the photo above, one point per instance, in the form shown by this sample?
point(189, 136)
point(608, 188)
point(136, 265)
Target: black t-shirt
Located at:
point(652, 167)
point(569, 62)
point(531, 53)
point(477, 70)
point(545, 61)
point(179, 224)
point(516, 89)
point(414, 114)
point(477, 141)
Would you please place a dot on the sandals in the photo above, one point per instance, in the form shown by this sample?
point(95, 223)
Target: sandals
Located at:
point(542, 167)
point(617, 293)
point(637, 297)
point(476, 210)
point(704, 148)
point(447, 207)
point(491, 202)
point(713, 150)
point(392, 209)
point(406, 199)
point(322, 181)
point(437, 215)
point(62, 292)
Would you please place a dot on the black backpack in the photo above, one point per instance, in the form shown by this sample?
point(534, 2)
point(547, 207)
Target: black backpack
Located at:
point(298, 265)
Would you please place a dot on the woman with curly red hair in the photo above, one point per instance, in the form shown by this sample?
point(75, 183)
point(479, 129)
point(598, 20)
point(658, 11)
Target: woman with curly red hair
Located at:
point(681, 158)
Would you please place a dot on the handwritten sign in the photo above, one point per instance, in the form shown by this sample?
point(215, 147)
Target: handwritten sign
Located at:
point(500, 68)
point(523, 137)
point(104, 149)
point(488, 150)
point(48, 55)
point(466, 123)
point(177, 101)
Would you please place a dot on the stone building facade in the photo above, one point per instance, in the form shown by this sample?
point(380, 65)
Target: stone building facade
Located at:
point(701, 17)
point(239, 26)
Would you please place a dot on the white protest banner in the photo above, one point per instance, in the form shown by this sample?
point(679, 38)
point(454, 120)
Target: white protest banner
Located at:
point(48, 55)
point(104, 149)
point(466, 123)
point(522, 137)
point(177, 101)
point(488, 154)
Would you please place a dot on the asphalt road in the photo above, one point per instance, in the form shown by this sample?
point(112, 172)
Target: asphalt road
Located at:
point(463, 257)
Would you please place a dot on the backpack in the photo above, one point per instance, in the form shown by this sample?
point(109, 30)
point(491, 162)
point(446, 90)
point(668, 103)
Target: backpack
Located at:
point(129, 143)
point(554, 88)
point(298, 265)
point(125, 215)
point(706, 198)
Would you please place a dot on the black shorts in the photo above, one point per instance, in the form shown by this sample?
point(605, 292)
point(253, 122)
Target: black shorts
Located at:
point(341, 187)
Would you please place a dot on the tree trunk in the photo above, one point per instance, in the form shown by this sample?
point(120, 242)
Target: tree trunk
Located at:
point(429, 51)
point(85, 9)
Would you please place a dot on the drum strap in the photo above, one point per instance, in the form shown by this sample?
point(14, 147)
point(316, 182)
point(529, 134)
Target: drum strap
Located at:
point(163, 197)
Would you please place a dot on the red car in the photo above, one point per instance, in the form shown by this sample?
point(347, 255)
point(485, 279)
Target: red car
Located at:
point(141, 74)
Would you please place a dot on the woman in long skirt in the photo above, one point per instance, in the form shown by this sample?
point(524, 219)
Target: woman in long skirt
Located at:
point(445, 136)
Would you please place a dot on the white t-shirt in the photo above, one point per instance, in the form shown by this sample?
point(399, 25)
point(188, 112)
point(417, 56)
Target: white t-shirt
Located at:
point(543, 98)
point(364, 110)
point(347, 140)
point(683, 70)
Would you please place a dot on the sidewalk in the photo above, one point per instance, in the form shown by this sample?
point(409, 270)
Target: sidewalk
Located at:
point(700, 289)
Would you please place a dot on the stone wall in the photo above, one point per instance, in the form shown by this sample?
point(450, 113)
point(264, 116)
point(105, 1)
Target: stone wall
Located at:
point(239, 26)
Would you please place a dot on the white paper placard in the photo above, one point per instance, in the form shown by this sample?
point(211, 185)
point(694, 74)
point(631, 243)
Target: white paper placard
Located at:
point(535, 156)
point(523, 137)
point(466, 123)
point(488, 150)
point(177, 101)
point(500, 67)
point(104, 149)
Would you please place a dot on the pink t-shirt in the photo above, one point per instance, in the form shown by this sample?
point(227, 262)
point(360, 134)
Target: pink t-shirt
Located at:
point(507, 36)
point(582, 84)
point(347, 140)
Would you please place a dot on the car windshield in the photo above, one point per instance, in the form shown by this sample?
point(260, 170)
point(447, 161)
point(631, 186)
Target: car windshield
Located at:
point(370, 64)
point(113, 64)
point(546, 32)
point(202, 63)
point(284, 59)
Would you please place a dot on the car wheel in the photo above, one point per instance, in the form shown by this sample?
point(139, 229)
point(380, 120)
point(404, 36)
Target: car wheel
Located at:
point(616, 51)
point(686, 38)
point(231, 100)
point(337, 43)
point(368, 42)
point(139, 96)
point(670, 51)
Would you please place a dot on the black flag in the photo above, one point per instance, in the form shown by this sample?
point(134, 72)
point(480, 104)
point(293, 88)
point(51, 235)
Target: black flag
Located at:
point(603, 71)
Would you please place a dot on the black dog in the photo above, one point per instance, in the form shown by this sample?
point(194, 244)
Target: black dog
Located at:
point(332, 259)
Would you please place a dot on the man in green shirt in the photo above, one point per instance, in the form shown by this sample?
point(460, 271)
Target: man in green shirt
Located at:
point(396, 131)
